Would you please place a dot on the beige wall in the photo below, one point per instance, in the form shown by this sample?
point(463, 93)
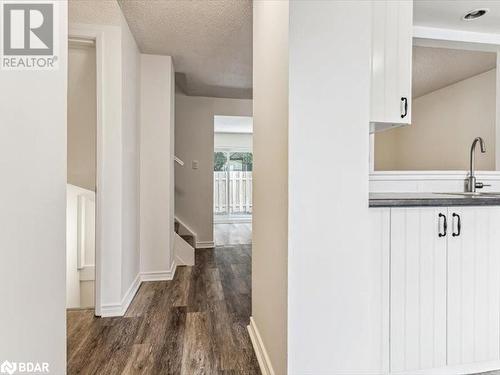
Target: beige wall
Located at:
point(82, 116)
point(444, 124)
point(194, 140)
point(270, 191)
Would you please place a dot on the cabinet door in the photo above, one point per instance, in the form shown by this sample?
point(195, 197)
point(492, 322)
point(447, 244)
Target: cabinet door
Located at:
point(474, 285)
point(418, 289)
point(391, 71)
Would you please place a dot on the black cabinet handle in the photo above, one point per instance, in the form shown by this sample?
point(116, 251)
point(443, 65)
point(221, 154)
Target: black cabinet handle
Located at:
point(404, 101)
point(459, 225)
point(445, 225)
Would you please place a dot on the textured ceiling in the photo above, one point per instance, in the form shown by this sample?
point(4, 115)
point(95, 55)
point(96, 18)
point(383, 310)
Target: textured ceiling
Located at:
point(448, 14)
point(209, 40)
point(104, 12)
point(435, 68)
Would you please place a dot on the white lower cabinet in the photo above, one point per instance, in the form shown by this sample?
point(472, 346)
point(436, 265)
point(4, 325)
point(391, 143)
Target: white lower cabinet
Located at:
point(418, 290)
point(473, 285)
point(444, 287)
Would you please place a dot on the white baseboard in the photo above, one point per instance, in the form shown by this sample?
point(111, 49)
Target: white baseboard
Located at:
point(260, 350)
point(469, 368)
point(205, 244)
point(160, 275)
point(87, 273)
point(120, 309)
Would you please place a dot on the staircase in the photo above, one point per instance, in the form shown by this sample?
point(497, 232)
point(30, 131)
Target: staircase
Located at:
point(184, 239)
point(184, 244)
point(188, 237)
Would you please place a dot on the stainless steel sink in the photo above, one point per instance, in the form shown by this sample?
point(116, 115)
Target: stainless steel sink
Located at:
point(484, 194)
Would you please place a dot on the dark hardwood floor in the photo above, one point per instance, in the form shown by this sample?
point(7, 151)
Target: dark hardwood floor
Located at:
point(194, 324)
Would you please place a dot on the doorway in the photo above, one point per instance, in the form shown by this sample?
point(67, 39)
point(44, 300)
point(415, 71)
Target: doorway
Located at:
point(81, 175)
point(232, 176)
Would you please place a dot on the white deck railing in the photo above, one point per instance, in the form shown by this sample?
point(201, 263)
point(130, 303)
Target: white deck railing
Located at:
point(232, 192)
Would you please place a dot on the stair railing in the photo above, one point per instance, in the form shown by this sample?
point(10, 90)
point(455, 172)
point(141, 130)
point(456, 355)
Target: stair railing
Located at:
point(178, 161)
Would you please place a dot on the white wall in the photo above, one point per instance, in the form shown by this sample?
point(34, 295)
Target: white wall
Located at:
point(87, 273)
point(270, 174)
point(82, 114)
point(429, 181)
point(333, 312)
point(80, 277)
point(444, 124)
point(194, 140)
point(130, 81)
point(157, 164)
point(238, 141)
point(32, 218)
point(117, 148)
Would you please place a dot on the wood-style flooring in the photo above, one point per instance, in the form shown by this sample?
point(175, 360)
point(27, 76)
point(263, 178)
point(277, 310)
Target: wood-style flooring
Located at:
point(194, 324)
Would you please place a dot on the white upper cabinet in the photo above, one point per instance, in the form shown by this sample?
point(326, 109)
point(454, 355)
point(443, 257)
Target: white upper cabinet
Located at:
point(391, 72)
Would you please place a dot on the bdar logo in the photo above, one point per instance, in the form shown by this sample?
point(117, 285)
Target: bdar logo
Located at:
point(28, 29)
point(8, 368)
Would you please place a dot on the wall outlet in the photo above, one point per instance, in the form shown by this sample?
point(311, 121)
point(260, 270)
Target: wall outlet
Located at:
point(195, 164)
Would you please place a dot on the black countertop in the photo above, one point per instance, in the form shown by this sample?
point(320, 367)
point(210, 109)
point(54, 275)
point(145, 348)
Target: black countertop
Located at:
point(431, 200)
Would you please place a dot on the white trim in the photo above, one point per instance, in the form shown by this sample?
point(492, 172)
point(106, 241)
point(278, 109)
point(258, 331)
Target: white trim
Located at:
point(130, 294)
point(87, 272)
point(204, 244)
point(469, 368)
point(160, 275)
point(451, 35)
point(497, 114)
point(120, 309)
point(87, 32)
point(430, 175)
point(109, 311)
point(265, 364)
point(429, 181)
point(228, 219)
point(81, 42)
point(80, 233)
point(233, 132)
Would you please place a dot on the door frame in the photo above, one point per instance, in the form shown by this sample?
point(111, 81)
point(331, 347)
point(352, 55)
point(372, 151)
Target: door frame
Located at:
point(90, 34)
point(228, 219)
